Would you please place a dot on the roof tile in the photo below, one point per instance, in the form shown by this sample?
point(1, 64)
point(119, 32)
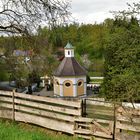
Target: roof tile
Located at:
point(69, 67)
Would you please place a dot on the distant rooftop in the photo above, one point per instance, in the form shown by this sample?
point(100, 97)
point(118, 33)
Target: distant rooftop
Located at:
point(23, 52)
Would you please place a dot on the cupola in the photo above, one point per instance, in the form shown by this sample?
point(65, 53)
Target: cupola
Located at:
point(69, 50)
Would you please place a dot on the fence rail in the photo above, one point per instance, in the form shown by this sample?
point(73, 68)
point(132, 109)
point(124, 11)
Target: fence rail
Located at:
point(101, 121)
point(128, 119)
point(123, 115)
point(56, 114)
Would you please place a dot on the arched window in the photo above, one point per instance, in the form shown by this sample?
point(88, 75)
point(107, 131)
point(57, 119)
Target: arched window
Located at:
point(80, 83)
point(67, 84)
point(68, 52)
point(80, 87)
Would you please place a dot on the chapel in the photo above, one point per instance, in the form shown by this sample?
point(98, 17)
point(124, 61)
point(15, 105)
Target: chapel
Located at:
point(70, 76)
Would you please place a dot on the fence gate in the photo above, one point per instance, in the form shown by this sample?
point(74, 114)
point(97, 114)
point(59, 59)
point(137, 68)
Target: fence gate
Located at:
point(97, 120)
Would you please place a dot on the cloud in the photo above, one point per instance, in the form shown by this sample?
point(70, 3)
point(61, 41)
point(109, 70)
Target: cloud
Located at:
point(89, 11)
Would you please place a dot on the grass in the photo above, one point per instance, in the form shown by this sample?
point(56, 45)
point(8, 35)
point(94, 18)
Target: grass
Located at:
point(100, 112)
point(96, 80)
point(94, 74)
point(22, 131)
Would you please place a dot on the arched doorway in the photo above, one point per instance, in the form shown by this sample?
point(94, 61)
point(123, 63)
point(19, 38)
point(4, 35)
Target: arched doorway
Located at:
point(67, 88)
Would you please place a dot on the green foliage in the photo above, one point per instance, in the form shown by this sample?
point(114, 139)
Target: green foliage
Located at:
point(88, 40)
point(41, 60)
point(122, 61)
point(4, 76)
point(115, 42)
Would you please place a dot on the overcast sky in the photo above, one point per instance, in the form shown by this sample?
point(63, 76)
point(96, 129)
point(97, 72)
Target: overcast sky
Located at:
point(90, 11)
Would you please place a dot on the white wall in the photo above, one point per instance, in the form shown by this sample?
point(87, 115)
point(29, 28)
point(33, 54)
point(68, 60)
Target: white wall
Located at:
point(71, 52)
point(74, 81)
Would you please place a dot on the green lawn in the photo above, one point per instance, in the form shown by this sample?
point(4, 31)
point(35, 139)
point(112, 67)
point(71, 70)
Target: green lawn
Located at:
point(96, 73)
point(22, 131)
point(100, 112)
point(96, 81)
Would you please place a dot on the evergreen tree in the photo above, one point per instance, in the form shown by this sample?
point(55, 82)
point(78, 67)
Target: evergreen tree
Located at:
point(122, 61)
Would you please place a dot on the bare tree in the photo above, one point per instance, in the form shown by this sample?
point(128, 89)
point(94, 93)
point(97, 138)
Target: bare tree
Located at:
point(25, 16)
point(133, 10)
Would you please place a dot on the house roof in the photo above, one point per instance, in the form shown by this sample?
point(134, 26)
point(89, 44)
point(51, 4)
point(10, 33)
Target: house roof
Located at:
point(69, 46)
point(69, 67)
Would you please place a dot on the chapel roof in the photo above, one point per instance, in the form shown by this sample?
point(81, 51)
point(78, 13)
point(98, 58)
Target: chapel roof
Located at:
point(69, 67)
point(69, 46)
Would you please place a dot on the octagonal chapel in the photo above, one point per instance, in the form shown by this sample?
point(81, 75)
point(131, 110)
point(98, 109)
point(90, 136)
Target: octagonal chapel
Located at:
point(70, 76)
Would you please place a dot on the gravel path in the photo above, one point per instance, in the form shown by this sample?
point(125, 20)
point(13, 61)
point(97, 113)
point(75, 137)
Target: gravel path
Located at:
point(44, 92)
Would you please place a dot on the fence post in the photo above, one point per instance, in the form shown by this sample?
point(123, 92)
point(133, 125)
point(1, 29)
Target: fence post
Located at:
point(84, 108)
point(13, 105)
point(114, 126)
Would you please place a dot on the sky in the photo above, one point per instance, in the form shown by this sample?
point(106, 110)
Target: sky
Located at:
point(91, 11)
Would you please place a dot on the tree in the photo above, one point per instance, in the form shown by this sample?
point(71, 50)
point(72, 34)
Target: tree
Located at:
point(22, 19)
point(25, 16)
point(122, 61)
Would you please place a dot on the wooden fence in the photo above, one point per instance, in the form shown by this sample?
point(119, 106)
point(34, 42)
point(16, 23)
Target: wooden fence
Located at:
point(115, 118)
point(91, 128)
point(66, 116)
point(128, 119)
point(55, 114)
